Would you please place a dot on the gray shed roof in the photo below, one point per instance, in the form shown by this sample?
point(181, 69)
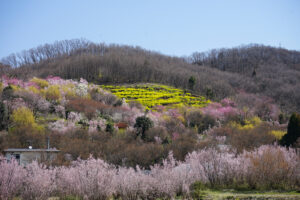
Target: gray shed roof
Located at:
point(32, 150)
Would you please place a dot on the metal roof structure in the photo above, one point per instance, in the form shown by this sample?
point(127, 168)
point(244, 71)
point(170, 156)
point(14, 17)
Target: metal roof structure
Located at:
point(31, 150)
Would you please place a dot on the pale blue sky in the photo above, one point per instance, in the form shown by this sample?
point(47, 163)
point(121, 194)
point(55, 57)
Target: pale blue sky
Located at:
point(167, 26)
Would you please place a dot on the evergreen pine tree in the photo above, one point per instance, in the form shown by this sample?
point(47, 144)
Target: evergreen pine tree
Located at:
point(293, 131)
point(192, 82)
point(3, 116)
point(143, 123)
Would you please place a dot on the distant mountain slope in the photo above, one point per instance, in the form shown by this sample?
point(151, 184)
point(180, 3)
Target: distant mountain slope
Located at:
point(245, 59)
point(274, 72)
point(261, 70)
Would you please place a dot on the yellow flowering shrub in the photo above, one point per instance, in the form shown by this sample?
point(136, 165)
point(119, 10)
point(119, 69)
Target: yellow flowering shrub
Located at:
point(33, 90)
point(15, 88)
point(248, 124)
point(69, 90)
point(181, 118)
point(40, 82)
point(43, 92)
point(1, 87)
point(23, 117)
point(53, 93)
point(278, 133)
point(166, 118)
point(254, 121)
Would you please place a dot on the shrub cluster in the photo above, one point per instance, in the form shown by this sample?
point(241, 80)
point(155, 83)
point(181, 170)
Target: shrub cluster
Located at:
point(96, 122)
point(265, 168)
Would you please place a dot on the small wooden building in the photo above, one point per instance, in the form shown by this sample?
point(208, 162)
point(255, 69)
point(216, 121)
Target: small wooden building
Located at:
point(25, 156)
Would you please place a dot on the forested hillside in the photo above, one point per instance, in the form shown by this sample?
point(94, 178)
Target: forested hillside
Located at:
point(158, 142)
point(268, 72)
point(274, 72)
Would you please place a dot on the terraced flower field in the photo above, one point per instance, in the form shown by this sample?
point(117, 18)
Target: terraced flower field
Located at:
point(151, 95)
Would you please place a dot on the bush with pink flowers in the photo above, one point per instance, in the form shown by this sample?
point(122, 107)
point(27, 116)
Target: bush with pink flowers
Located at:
point(11, 179)
point(267, 167)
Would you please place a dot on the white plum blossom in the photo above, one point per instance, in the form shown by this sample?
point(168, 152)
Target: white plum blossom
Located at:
point(42, 104)
point(61, 126)
point(83, 81)
point(74, 117)
point(60, 110)
point(81, 89)
point(117, 117)
point(95, 124)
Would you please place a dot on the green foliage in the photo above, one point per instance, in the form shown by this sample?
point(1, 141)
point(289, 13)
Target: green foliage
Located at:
point(192, 82)
point(198, 190)
point(254, 73)
point(282, 118)
point(209, 93)
point(109, 127)
point(3, 116)
point(70, 198)
point(118, 103)
point(7, 93)
point(143, 124)
point(151, 95)
point(293, 132)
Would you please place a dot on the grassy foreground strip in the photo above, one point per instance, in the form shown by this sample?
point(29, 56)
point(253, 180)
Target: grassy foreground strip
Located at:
point(151, 95)
point(226, 195)
point(243, 195)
